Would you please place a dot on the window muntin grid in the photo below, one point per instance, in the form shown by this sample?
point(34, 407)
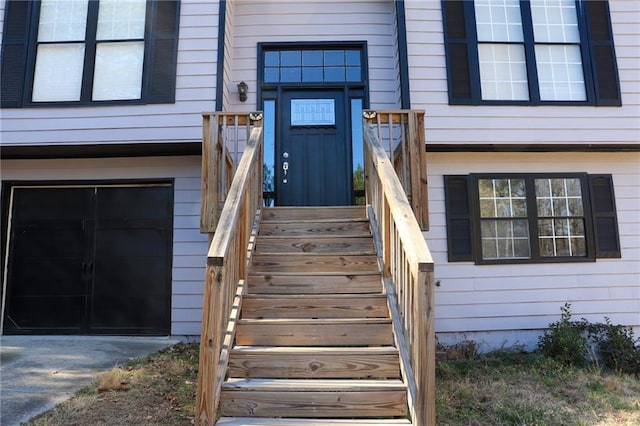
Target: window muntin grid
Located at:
point(64, 42)
point(504, 61)
point(498, 20)
point(62, 20)
point(561, 221)
point(560, 74)
point(312, 66)
point(503, 72)
point(503, 219)
point(555, 21)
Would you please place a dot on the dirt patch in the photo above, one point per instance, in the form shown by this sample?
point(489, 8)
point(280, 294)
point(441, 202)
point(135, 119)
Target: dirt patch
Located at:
point(156, 390)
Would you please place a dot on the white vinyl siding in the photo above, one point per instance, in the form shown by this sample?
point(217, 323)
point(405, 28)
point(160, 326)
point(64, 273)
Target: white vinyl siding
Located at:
point(447, 124)
point(189, 246)
point(179, 122)
point(529, 296)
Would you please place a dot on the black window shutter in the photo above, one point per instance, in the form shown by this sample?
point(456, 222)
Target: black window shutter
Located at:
point(164, 52)
point(603, 56)
point(14, 52)
point(457, 52)
point(458, 211)
point(603, 207)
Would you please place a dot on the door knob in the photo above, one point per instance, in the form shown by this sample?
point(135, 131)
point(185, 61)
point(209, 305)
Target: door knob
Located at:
point(285, 155)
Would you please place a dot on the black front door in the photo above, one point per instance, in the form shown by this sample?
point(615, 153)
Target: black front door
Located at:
point(313, 152)
point(90, 260)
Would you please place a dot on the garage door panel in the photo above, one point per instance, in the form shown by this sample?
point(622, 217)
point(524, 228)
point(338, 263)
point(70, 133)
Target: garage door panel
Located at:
point(131, 242)
point(47, 277)
point(55, 313)
point(133, 276)
point(50, 239)
point(141, 203)
point(127, 314)
point(47, 204)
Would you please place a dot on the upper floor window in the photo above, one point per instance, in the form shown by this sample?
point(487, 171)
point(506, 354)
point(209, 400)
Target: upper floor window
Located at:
point(89, 51)
point(530, 52)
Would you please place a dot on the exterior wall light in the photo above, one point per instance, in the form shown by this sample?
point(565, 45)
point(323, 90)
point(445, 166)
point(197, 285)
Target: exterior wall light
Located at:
point(242, 91)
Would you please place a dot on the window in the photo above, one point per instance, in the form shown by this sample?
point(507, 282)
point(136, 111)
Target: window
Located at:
point(530, 52)
point(89, 52)
point(312, 66)
point(531, 218)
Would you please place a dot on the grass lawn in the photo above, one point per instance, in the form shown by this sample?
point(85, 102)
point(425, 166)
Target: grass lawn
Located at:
point(502, 388)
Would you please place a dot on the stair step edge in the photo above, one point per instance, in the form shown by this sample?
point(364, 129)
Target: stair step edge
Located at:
point(319, 321)
point(339, 296)
point(313, 385)
point(328, 350)
point(266, 421)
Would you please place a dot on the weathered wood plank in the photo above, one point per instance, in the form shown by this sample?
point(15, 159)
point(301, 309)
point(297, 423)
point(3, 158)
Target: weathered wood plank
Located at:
point(314, 404)
point(257, 421)
point(314, 284)
point(356, 228)
point(334, 332)
point(313, 265)
point(313, 306)
point(318, 245)
point(316, 385)
point(306, 363)
point(313, 213)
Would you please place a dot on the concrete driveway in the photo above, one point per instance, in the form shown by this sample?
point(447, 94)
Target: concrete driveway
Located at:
point(38, 372)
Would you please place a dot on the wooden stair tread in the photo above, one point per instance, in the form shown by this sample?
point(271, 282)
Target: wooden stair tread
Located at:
point(313, 385)
point(348, 228)
point(303, 297)
point(315, 321)
point(317, 362)
point(302, 213)
point(313, 264)
point(329, 350)
point(262, 421)
point(296, 283)
point(314, 332)
point(315, 306)
point(314, 245)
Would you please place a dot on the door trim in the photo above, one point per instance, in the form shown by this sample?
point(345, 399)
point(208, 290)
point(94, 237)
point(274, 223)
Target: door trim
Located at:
point(273, 91)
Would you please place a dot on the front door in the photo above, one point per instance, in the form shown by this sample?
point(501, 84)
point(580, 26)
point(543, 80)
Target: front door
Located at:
point(313, 152)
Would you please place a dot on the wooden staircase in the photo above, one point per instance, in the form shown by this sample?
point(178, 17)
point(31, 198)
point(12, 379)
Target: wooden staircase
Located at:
point(314, 343)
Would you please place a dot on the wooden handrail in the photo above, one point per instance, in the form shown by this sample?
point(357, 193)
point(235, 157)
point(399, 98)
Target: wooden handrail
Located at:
point(401, 133)
point(223, 133)
point(227, 262)
point(408, 275)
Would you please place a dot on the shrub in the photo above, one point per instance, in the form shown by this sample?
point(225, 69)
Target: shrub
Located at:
point(564, 340)
point(614, 346)
point(617, 347)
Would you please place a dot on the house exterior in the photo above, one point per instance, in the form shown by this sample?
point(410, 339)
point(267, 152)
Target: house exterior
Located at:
point(531, 122)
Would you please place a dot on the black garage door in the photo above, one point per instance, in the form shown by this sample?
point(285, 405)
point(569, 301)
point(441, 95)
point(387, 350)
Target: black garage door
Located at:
point(89, 260)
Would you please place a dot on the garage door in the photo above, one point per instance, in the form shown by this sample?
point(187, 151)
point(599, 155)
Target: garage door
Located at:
point(89, 260)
